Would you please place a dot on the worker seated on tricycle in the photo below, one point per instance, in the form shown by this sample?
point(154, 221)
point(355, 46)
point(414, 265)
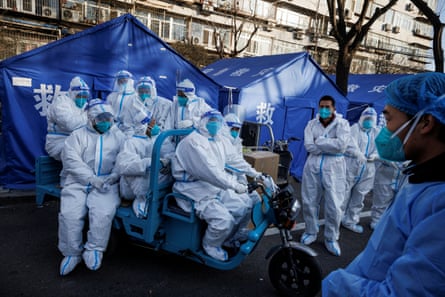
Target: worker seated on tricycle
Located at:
point(134, 163)
point(219, 199)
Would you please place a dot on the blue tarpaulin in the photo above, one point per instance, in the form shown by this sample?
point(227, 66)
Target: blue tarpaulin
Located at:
point(281, 90)
point(29, 81)
point(367, 90)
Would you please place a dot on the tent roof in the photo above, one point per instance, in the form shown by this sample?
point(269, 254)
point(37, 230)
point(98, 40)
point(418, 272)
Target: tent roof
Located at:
point(244, 72)
point(369, 88)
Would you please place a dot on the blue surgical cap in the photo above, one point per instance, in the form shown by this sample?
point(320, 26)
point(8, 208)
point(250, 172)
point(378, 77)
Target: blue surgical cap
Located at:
point(413, 93)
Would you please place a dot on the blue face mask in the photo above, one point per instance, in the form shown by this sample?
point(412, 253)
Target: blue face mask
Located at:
point(388, 147)
point(145, 96)
point(182, 100)
point(367, 124)
point(80, 102)
point(213, 127)
point(324, 113)
point(123, 86)
point(234, 133)
point(155, 130)
point(103, 127)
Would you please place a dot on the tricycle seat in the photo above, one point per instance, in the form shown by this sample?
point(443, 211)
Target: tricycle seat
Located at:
point(171, 208)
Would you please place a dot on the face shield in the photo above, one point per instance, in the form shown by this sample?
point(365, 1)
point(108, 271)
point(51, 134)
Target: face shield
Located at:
point(368, 118)
point(99, 111)
point(185, 91)
point(79, 89)
point(211, 123)
point(103, 122)
point(146, 89)
point(234, 124)
point(81, 98)
point(123, 82)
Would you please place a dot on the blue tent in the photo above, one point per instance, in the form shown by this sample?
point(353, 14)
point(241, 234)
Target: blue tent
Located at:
point(367, 90)
point(29, 81)
point(282, 90)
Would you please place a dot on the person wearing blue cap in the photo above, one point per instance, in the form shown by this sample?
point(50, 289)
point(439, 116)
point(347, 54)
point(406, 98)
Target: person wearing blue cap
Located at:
point(90, 188)
point(66, 114)
point(405, 254)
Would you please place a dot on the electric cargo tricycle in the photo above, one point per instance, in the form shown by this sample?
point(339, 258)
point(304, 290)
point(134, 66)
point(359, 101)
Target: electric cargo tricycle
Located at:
point(293, 268)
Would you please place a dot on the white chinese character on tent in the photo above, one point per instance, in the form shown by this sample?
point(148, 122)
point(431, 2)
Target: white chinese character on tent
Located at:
point(352, 88)
point(264, 112)
point(378, 89)
point(47, 93)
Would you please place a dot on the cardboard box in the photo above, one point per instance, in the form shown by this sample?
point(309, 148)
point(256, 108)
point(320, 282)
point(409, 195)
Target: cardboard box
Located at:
point(264, 161)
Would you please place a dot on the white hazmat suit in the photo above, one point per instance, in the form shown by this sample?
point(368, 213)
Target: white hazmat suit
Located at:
point(187, 108)
point(199, 171)
point(241, 168)
point(90, 188)
point(66, 114)
point(360, 171)
point(134, 163)
point(159, 107)
point(324, 175)
point(128, 110)
point(387, 182)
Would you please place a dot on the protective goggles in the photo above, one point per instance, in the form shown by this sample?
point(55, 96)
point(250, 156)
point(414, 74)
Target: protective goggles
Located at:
point(185, 89)
point(234, 125)
point(104, 117)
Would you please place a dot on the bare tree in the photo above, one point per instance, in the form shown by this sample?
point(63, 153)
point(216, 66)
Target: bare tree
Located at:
point(434, 19)
point(195, 54)
point(350, 40)
point(228, 42)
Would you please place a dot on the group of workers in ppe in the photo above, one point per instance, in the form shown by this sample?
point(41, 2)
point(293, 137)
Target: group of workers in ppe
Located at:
point(404, 255)
point(106, 153)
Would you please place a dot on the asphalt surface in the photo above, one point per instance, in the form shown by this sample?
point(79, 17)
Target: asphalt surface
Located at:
point(29, 262)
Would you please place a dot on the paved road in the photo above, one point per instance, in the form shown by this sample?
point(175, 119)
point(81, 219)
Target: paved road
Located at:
point(29, 263)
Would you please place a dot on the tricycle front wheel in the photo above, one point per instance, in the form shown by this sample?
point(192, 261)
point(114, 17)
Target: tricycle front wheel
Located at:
point(295, 273)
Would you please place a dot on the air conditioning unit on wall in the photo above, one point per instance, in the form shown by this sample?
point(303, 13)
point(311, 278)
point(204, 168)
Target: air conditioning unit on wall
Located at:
point(196, 40)
point(386, 27)
point(298, 35)
point(49, 12)
point(71, 15)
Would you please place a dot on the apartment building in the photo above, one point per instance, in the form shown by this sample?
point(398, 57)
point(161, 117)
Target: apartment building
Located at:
point(400, 41)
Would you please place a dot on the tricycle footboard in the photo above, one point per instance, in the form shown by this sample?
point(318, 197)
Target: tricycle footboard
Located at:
point(126, 220)
point(254, 237)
